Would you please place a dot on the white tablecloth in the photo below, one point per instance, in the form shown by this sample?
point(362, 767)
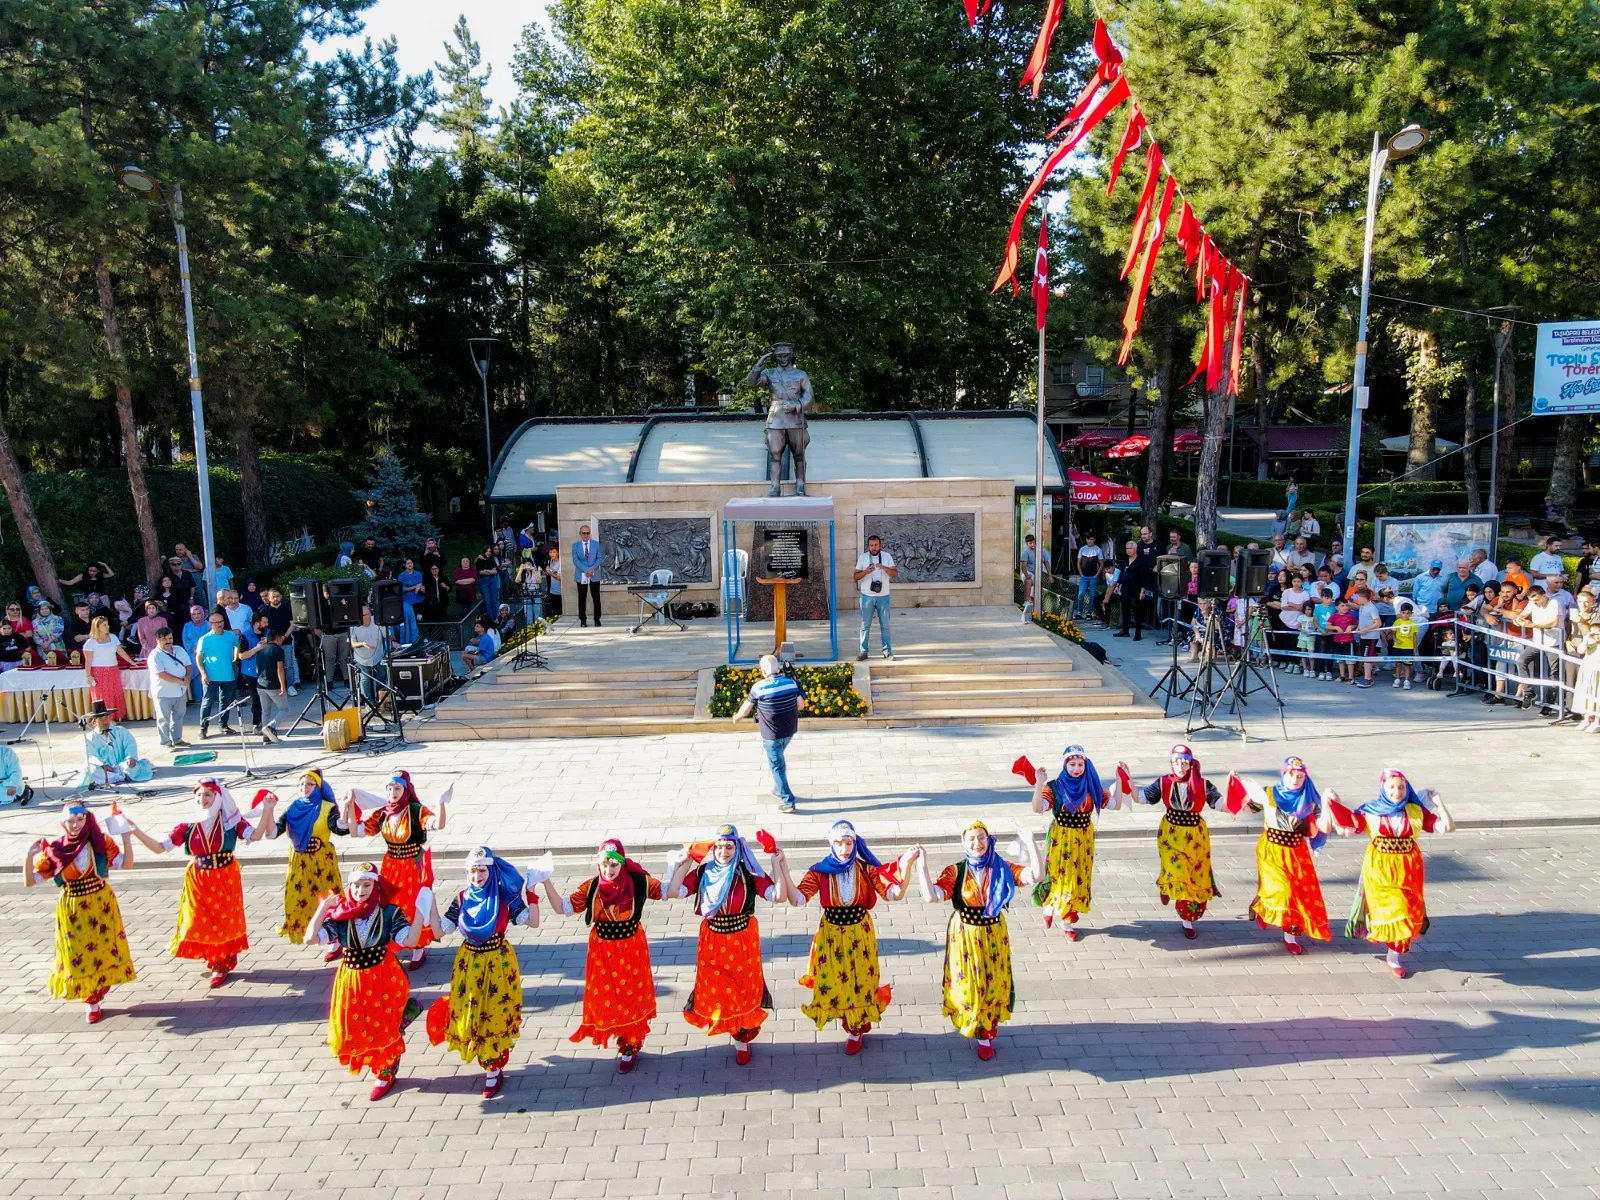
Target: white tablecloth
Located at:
point(20, 690)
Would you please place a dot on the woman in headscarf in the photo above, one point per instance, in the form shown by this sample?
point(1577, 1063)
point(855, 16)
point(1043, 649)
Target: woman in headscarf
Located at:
point(310, 821)
point(843, 971)
point(619, 988)
point(1288, 892)
point(730, 992)
point(407, 865)
point(1072, 799)
point(1389, 906)
point(251, 597)
point(92, 955)
point(371, 1003)
point(211, 924)
point(978, 990)
point(1183, 842)
point(482, 1015)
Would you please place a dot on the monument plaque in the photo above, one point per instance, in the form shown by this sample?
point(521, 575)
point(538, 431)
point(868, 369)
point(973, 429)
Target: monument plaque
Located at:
point(635, 546)
point(928, 547)
point(784, 554)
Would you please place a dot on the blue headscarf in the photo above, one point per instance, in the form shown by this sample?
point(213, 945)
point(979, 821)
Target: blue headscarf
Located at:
point(301, 816)
point(1001, 885)
point(1072, 790)
point(1301, 804)
point(716, 879)
point(1382, 806)
point(480, 906)
point(833, 864)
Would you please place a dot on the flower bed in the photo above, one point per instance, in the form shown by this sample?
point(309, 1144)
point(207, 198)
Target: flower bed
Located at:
point(829, 691)
point(1060, 626)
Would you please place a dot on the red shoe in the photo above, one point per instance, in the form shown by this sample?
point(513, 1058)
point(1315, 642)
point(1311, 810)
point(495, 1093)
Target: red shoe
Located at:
point(852, 1044)
point(1072, 918)
point(218, 978)
point(1399, 972)
point(1294, 947)
point(985, 1049)
point(381, 1088)
point(334, 954)
point(492, 1082)
point(626, 1063)
point(1164, 898)
point(742, 1055)
point(1072, 934)
point(415, 964)
point(1191, 933)
point(1049, 919)
point(93, 1014)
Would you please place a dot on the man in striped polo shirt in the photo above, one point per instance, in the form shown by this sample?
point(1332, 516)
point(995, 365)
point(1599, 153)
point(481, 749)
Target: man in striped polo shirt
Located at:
point(777, 700)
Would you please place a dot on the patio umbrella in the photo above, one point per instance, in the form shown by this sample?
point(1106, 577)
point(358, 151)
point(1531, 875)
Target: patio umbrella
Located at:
point(1129, 447)
point(1187, 441)
point(1089, 439)
point(1092, 489)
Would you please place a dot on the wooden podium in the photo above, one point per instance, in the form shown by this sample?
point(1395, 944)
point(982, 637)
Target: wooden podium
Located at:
point(780, 608)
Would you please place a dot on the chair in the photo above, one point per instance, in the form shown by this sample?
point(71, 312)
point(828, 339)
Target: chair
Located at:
point(658, 578)
point(735, 567)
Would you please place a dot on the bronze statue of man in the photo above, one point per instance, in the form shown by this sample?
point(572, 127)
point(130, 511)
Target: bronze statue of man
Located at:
point(790, 389)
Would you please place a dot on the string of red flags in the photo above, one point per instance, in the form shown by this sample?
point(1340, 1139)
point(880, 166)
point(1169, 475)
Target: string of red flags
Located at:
point(1219, 285)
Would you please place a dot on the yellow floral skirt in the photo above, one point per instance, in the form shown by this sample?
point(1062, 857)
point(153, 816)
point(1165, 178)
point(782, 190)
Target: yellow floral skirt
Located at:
point(843, 976)
point(312, 875)
point(365, 1012)
point(91, 947)
point(211, 925)
point(485, 1003)
point(1288, 892)
point(1185, 852)
point(978, 991)
point(730, 991)
point(1389, 907)
point(1070, 866)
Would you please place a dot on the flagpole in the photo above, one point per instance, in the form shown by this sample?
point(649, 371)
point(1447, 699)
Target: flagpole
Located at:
point(1040, 544)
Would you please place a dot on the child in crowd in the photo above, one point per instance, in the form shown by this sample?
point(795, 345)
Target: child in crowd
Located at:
point(1306, 642)
point(1444, 645)
point(1343, 623)
point(1369, 635)
point(1321, 611)
point(1403, 644)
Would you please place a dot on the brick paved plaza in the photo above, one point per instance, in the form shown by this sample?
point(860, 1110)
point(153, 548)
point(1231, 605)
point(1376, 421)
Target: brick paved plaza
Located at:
point(1138, 1064)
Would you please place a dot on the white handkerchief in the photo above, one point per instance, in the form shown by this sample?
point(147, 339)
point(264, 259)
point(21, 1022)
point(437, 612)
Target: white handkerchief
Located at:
point(118, 825)
point(539, 870)
point(425, 905)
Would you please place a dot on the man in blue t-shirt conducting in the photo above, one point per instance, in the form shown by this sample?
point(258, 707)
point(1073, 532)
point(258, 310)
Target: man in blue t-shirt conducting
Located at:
point(777, 700)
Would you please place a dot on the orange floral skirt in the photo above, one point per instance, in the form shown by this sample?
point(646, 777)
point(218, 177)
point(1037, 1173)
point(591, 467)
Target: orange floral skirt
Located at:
point(364, 1015)
point(404, 877)
point(1288, 892)
point(730, 993)
point(619, 991)
point(211, 922)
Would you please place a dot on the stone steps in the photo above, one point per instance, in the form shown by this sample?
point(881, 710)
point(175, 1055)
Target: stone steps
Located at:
point(1028, 701)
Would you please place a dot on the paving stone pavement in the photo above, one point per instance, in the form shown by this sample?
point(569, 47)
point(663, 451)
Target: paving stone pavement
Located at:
point(1138, 1064)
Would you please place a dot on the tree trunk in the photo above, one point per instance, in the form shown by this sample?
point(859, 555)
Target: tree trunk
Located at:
point(22, 510)
point(1570, 437)
point(1469, 437)
point(1205, 498)
point(1506, 411)
point(257, 550)
point(1258, 365)
point(1423, 378)
point(1155, 475)
point(132, 456)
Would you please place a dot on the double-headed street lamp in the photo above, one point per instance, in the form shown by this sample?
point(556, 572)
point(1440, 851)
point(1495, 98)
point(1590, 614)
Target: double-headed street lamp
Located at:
point(142, 181)
point(1407, 142)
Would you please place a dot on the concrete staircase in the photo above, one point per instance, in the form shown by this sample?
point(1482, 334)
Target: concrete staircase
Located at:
point(998, 691)
point(507, 704)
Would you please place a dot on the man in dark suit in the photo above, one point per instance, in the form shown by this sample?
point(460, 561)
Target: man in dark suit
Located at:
point(1138, 578)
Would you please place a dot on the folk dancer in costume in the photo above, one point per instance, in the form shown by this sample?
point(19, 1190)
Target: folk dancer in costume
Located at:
point(111, 756)
point(619, 988)
point(211, 924)
point(1072, 799)
point(1183, 842)
point(407, 864)
point(371, 1001)
point(310, 821)
point(1288, 892)
point(843, 971)
point(92, 955)
point(482, 1015)
point(730, 992)
point(1389, 906)
point(978, 989)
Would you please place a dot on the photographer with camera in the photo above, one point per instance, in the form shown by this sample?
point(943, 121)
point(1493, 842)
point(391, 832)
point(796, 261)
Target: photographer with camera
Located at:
point(874, 571)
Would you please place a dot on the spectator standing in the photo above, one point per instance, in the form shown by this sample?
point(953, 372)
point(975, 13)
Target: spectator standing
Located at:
point(1132, 587)
point(586, 562)
point(1344, 624)
point(103, 657)
point(1291, 495)
point(249, 645)
point(1429, 589)
point(1280, 552)
point(370, 557)
point(186, 589)
point(488, 569)
point(527, 585)
point(466, 581)
point(778, 701)
point(1091, 562)
point(281, 621)
point(20, 625)
point(1301, 558)
point(217, 657)
point(431, 557)
point(367, 642)
point(1369, 632)
point(1403, 635)
point(435, 591)
point(94, 577)
point(170, 669)
point(1111, 577)
point(552, 571)
point(1030, 564)
point(1148, 553)
point(1540, 622)
point(49, 630)
point(237, 615)
point(874, 575)
point(1310, 528)
point(1548, 561)
point(411, 594)
point(1586, 571)
point(1584, 644)
point(251, 597)
point(1483, 567)
point(1290, 605)
point(224, 575)
point(272, 682)
point(148, 625)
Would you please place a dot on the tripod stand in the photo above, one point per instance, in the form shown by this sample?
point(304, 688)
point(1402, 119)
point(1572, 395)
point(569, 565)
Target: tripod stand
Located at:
point(1174, 677)
point(1210, 682)
point(1237, 685)
point(41, 709)
point(373, 710)
point(528, 649)
point(322, 698)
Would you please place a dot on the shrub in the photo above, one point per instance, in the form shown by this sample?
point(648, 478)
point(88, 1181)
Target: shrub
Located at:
point(829, 691)
point(1060, 626)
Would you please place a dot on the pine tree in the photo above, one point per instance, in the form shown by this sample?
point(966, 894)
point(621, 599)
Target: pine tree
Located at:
point(393, 519)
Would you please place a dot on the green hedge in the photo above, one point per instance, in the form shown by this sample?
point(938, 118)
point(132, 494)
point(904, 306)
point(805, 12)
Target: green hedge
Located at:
point(89, 514)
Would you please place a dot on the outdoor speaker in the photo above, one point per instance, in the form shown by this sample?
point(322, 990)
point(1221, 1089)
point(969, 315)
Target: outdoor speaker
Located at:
point(1255, 572)
point(388, 608)
point(1172, 577)
point(1215, 577)
point(305, 603)
point(344, 602)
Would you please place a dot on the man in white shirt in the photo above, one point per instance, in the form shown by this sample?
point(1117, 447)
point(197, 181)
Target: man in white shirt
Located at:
point(1540, 620)
point(367, 641)
point(875, 570)
point(1548, 561)
point(1483, 567)
point(1288, 633)
point(1091, 559)
point(238, 616)
point(1555, 586)
point(1301, 556)
point(170, 669)
point(1280, 555)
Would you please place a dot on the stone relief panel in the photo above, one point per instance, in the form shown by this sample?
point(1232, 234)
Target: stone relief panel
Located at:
point(635, 546)
point(927, 547)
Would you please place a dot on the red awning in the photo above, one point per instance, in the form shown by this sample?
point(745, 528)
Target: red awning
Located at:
point(1091, 489)
point(1090, 439)
point(1129, 447)
point(1188, 442)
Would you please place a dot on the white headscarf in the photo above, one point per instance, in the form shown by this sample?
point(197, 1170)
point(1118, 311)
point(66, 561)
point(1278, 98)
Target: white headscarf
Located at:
point(224, 807)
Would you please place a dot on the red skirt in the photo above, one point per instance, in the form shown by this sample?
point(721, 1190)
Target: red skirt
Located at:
point(730, 993)
point(404, 877)
point(211, 924)
point(364, 1015)
point(106, 684)
point(619, 991)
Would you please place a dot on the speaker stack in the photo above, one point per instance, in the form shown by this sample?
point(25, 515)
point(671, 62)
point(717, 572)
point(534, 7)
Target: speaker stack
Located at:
point(344, 602)
point(1172, 577)
point(305, 603)
point(1215, 573)
point(1255, 572)
point(388, 606)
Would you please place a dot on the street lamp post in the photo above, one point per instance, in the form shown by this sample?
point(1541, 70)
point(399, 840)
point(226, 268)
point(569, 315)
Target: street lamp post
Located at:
point(1408, 141)
point(142, 181)
point(481, 348)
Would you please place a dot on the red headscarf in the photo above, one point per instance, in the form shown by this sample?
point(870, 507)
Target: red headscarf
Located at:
point(614, 891)
point(1193, 782)
point(395, 807)
point(351, 909)
point(64, 849)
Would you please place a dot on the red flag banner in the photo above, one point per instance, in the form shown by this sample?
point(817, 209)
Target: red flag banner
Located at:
point(1108, 101)
point(1189, 234)
point(1205, 347)
point(1131, 136)
point(974, 12)
point(1141, 216)
point(1237, 355)
point(1216, 321)
point(1041, 48)
point(1106, 50)
point(1203, 271)
point(1134, 313)
point(1041, 273)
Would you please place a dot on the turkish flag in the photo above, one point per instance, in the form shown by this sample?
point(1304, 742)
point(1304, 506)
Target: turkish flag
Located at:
point(1131, 136)
point(1041, 274)
point(1237, 356)
point(1134, 313)
point(1041, 47)
point(1189, 234)
point(1141, 217)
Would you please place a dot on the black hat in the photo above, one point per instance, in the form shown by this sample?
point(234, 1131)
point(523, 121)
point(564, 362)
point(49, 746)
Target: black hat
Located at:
point(97, 709)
